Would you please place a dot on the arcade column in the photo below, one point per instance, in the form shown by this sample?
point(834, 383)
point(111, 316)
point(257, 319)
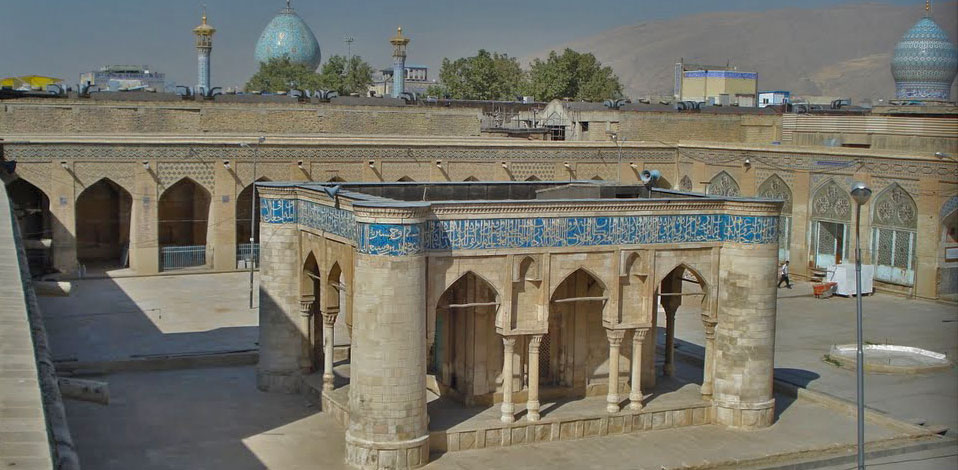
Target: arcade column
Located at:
point(387, 391)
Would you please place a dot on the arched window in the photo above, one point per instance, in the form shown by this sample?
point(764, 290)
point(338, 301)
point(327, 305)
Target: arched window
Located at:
point(894, 229)
point(685, 184)
point(723, 185)
point(183, 212)
point(775, 188)
point(831, 214)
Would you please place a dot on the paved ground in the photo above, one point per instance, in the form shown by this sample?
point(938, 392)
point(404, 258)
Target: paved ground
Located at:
point(216, 419)
point(123, 318)
point(206, 419)
point(807, 327)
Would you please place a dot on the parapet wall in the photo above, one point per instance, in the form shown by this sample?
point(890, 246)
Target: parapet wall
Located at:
point(31, 397)
point(72, 117)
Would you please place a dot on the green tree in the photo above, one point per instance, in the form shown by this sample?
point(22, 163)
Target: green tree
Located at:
point(282, 74)
point(484, 76)
point(346, 76)
point(572, 75)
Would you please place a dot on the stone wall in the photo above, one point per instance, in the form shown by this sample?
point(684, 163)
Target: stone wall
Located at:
point(673, 127)
point(73, 117)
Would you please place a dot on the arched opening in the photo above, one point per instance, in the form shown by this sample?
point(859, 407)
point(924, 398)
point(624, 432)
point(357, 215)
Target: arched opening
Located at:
point(831, 214)
point(597, 178)
point(405, 179)
point(948, 259)
point(894, 236)
point(685, 184)
point(533, 178)
point(31, 208)
point(682, 291)
point(335, 179)
point(775, 187)
point(183, 223)
point(723, 185)
point(471, 178)
point(574, 355)
point(467, 353)
point(103, 224)
point(310, 290)
point(247, 224)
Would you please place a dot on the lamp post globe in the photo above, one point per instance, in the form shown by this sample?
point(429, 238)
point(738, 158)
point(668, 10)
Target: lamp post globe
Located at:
point(861, 193)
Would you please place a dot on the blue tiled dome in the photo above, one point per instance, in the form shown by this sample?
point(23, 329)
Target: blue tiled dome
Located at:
point(287, 35)
point(925, 63)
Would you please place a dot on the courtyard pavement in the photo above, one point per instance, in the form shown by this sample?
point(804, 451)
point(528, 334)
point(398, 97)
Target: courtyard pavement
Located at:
point(217, 419)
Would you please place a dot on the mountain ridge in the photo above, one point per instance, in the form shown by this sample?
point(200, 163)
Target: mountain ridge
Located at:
point(843, 50)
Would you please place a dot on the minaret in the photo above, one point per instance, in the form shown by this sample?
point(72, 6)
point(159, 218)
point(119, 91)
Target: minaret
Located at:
point(204, 45)
point(399, 43)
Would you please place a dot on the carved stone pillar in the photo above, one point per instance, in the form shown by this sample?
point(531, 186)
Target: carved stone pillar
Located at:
point(635, 397)
point(305, 314)
point(329, 319)
point(708, 373)
point(669, 367)
point(532, 406)
point(615, 341)
point(508, 408)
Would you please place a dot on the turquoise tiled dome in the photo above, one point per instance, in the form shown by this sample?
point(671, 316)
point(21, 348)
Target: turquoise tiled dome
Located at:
point(925, 63)
point(287, 35)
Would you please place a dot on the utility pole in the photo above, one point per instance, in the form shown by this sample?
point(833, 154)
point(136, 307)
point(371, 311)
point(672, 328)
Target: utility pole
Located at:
point(349, 47)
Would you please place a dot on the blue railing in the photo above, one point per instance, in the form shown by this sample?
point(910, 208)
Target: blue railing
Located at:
point(178, 257)
point(247, 253)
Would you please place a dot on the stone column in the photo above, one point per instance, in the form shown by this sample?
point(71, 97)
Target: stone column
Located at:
point(669, 367)
point(63, 217)
point(532, 405)
point(745, 338)
point(144, 222)
point(635, 397)
point(615, 341)
point(709, 367)
point(281, 331)
point(508, 408)
point(387, 426)
point(329, 319)
point(306, 315)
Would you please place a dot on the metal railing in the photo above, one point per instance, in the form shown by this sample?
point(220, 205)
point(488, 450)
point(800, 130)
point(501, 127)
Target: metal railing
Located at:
point(178, 257)
point(247, 253)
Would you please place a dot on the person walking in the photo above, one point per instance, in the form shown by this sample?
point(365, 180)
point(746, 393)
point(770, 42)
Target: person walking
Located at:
point(784, 277)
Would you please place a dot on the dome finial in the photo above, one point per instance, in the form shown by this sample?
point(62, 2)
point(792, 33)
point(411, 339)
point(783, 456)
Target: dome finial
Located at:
point(927, 7)
point(204, 13)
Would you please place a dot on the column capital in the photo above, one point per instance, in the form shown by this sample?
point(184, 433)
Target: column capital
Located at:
point(639, 334)
point(306, 305)
point(329, 318)
point(535, 341)
point(509, 342)
point(709, 322)
point(614, 336)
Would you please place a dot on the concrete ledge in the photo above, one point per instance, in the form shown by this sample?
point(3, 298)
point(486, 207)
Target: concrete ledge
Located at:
point(163, 362)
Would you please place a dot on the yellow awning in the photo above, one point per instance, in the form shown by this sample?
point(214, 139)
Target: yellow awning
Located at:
point(33, 82)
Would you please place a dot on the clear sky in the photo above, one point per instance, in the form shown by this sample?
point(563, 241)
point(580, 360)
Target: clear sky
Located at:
point(63, 38)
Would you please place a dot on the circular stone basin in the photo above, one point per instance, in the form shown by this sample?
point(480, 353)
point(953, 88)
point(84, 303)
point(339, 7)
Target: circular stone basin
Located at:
point(890, 358)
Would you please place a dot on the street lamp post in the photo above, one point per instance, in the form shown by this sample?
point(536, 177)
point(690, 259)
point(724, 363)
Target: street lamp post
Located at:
point(252, 217)
point(861, 194)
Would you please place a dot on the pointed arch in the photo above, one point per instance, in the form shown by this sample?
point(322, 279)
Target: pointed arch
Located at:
point(588, 275)
point(533, 178)
point(774, 187)
point(893, 207)
point(683, 268)
point(405, 179)
point(247, 212)
point(466, 339)
point(336, 179)
point(310, 295)
point(685, 184)
point(597, 178)
point(894, 235)
point(183, 211)
point(103, 223)
point(471, 178)
point(482, 279)
point(334, 290)
point(31, 207)
point(723, 184)
point(310, 281)
point(831, 202)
